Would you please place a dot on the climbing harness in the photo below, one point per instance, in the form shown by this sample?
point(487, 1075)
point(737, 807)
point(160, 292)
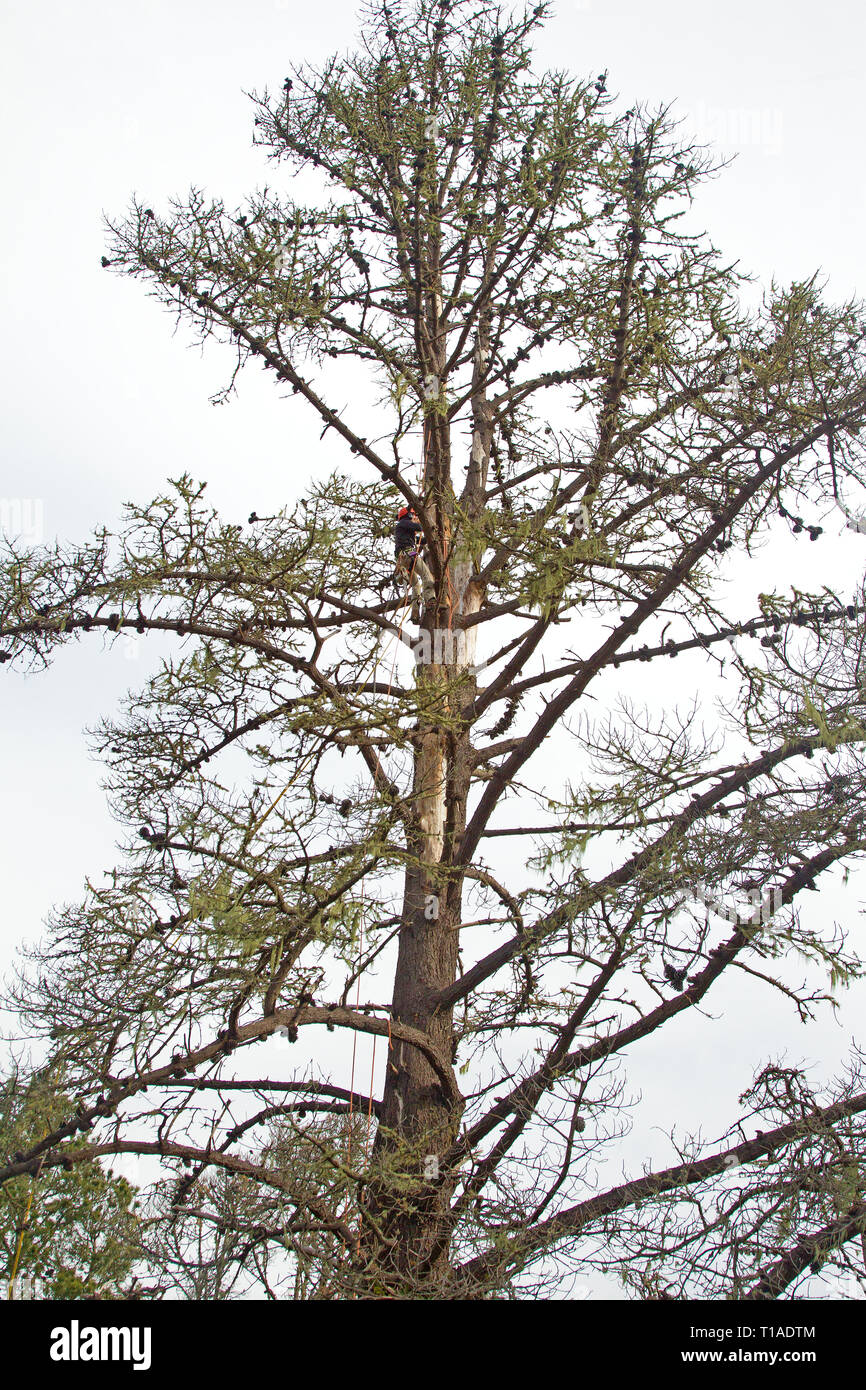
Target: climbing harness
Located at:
point(409, 565)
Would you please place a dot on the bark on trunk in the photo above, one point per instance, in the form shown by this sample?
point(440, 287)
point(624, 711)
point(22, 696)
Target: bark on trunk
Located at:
point(410, 1198)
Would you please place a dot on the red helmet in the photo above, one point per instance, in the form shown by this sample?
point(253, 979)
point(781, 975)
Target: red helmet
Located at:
point(406, 511)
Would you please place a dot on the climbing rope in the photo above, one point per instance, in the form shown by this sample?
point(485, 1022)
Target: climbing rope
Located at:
point(370, 1103)
point(369, 1129)
point(354, 1050)
point(352, 1081)
point(399, 637)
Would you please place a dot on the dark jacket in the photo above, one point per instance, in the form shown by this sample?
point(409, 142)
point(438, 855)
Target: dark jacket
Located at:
point(407, 534)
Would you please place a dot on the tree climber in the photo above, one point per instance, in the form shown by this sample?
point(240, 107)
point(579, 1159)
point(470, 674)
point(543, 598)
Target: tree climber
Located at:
point(408, 543)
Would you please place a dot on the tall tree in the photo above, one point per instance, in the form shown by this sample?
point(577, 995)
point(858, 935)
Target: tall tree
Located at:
point(566, 386)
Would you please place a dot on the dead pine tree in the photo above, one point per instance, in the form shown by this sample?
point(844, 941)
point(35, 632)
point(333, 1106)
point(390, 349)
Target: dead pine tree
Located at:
point(471, 849)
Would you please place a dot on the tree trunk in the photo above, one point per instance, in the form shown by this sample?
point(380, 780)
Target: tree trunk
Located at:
point(419, 1120)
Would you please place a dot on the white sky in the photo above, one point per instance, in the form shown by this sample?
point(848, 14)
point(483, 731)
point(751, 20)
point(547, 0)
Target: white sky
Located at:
point(102, 403)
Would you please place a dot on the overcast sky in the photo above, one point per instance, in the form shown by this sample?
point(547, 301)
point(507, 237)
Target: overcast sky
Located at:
point(102, 402)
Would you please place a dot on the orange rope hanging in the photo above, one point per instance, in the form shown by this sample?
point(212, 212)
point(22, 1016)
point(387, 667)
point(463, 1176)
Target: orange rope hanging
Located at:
point(370, 1102)
point(369, 1128)
point(355, 1046)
